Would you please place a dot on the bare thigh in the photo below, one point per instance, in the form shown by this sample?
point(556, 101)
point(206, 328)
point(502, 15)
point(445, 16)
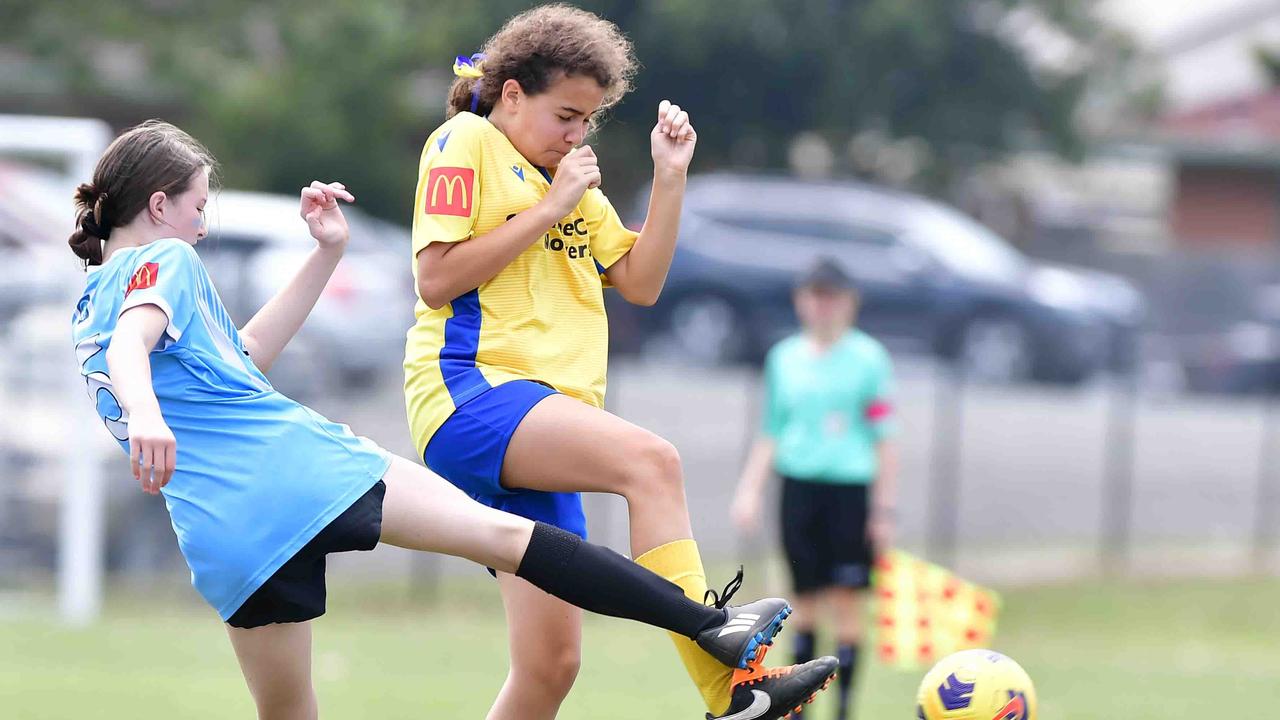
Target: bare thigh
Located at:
point(423, 511)
point(276, 663)
point(566, 445)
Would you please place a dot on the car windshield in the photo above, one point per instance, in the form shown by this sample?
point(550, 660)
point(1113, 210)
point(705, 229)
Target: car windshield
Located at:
point(797, 225)
point(277, 220)
point(965, 246)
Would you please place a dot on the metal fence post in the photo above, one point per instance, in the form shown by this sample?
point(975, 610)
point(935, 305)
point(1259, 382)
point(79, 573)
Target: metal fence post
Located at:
point(748, 545)
point(1264, 520)
point(1117, 492)
point(944, 496)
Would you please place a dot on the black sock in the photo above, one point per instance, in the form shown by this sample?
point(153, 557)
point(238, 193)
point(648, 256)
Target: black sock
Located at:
point(601, 581)
point(804, 646)
point(848, 657)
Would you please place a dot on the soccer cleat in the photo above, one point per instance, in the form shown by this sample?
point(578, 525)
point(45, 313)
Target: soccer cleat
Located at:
point(761, 693)
point(746, 628)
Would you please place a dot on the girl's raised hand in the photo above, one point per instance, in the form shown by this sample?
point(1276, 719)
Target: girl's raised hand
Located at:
point(578, 172)
point(324, 218)
point(673, 139)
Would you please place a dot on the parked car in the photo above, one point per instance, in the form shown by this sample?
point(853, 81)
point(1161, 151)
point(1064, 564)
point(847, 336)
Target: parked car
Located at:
point(256, 241)
point(933, 281)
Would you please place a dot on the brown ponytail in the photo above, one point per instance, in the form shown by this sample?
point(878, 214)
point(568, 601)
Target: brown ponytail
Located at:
point(152, 157)
point(86, 241)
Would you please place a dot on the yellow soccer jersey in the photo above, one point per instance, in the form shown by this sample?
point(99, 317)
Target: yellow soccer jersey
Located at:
point(542, 317)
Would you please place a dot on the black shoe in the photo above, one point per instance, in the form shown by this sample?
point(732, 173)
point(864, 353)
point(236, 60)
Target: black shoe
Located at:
point(746, 628)
point(772, 693)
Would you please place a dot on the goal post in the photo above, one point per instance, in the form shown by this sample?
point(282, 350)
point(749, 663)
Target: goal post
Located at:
point(72, 146)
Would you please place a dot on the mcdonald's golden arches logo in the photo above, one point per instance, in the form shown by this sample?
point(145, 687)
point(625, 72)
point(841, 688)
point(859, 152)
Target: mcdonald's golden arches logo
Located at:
point(449, 191)
point(143, 278)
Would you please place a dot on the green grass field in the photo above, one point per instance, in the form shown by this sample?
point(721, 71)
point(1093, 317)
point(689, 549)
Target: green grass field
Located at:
point(1205, 649)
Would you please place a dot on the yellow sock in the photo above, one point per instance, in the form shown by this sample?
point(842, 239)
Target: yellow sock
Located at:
point(680, 562)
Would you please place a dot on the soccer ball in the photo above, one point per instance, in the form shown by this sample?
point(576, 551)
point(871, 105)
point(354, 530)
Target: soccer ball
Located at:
point(976, 685)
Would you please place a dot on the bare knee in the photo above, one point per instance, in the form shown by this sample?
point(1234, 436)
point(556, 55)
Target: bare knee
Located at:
point(561, 671)
point(806, 606)
point(653, 469)
point(847, 606)
point(285, 703)
point(553, 673)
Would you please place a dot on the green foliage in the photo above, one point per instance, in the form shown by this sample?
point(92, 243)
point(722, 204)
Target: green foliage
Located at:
point(1268, 58)
point(288, 91)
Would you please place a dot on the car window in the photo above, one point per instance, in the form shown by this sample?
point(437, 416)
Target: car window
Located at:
point(807, 227)
point(228, 257)
point(964, 245)
point(234, 220)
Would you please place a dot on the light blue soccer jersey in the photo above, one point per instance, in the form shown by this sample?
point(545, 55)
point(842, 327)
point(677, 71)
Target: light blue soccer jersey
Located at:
point(258, 475)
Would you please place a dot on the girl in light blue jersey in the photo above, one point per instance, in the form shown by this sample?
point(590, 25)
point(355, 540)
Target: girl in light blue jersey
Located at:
point(259, 488)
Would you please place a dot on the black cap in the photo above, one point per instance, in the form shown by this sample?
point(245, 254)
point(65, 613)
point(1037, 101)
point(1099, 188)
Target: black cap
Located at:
point(826, 273)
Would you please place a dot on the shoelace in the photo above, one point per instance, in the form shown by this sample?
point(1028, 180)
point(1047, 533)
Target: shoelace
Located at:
point(719, 600)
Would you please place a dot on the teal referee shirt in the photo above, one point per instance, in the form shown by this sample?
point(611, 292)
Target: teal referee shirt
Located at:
point(827, 410)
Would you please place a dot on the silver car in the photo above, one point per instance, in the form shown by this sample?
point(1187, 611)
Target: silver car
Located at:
point(356, 334)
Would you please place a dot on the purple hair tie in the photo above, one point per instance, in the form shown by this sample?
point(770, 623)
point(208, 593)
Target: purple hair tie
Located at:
point(469, 67)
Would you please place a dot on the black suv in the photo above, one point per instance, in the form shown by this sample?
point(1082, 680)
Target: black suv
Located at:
point(933, 281)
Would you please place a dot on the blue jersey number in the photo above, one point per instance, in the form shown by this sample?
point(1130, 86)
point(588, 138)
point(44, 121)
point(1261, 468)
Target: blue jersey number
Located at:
point(93, 366)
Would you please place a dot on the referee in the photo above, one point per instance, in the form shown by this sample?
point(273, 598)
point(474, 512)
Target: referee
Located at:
point(826, 431)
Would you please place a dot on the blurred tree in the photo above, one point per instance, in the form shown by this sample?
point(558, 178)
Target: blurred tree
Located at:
point(281, 92)
point(1268, 58)
point(971, 79)
point(286, 91)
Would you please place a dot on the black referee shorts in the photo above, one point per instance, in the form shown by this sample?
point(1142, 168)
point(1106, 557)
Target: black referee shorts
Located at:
point(824, 534)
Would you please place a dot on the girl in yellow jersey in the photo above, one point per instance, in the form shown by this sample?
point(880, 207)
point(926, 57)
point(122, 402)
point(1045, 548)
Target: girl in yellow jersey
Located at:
point(513, 244)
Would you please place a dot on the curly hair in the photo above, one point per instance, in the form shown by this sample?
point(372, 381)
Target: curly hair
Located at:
point(536, 46)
